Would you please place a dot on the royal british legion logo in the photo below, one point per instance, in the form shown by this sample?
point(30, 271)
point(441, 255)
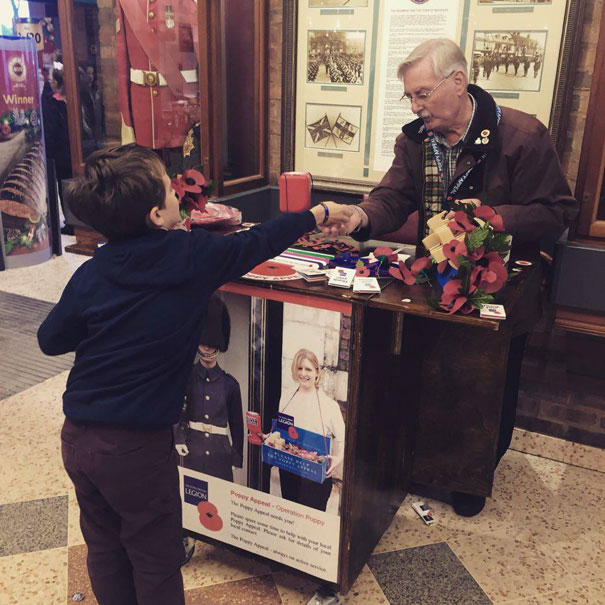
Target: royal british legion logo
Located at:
point(195, 490)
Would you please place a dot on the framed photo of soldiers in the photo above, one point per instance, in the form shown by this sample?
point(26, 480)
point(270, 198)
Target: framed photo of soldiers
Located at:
point(508, 60)
point(336, 57)
point(346, 54)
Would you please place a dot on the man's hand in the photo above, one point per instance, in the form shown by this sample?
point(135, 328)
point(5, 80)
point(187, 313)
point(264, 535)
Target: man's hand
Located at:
point(470, 200)
point(338, 215)
point(181, 448)
point(343, 219)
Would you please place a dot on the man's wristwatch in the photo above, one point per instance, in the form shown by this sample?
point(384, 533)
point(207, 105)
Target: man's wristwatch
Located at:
point(361, 214)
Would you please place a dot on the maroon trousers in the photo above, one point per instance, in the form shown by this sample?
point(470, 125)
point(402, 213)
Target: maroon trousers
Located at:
point(127, 487)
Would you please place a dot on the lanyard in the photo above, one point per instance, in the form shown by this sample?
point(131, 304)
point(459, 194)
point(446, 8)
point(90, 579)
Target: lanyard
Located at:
point(453, 189)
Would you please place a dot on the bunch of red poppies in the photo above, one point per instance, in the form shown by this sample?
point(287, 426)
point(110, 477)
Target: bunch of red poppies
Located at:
point(474, 268)
point(191, 189)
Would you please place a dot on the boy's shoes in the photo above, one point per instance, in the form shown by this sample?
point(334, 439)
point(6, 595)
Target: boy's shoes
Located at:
point(67, 230)
point(189, 548)
point(467, 505)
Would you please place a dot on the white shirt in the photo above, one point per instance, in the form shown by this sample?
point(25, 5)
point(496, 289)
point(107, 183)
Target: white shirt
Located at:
point(324, 418)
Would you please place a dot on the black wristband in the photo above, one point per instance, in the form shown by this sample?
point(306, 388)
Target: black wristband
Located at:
point(327, 213)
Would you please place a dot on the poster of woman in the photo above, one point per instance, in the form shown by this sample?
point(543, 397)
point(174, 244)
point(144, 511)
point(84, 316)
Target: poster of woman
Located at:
point(313, 400)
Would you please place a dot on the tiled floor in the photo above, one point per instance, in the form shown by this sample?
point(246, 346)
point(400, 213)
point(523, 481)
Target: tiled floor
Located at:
point(540, 539)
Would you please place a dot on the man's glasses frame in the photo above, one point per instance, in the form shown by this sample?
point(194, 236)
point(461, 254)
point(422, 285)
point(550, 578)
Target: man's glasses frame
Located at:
point(425, 96)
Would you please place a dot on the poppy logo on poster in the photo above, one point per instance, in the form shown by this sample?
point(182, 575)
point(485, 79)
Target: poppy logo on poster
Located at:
point(209, 516)
point(195, 490)
point(16, 69)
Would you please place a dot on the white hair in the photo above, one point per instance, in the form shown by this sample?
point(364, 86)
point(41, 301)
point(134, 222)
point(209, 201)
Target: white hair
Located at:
point(445, 55)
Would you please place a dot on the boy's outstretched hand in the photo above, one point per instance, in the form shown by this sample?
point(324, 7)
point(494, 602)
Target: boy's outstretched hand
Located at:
point(339, 220)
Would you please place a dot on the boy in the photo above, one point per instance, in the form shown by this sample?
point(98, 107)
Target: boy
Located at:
point(133, 315)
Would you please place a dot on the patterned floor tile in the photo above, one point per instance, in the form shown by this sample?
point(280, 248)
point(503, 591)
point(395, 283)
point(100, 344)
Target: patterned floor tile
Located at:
point(30, 462)
point(252, 591)
point(365, 590)
point(579, 596)
point(294, 588)
point(217, 564)
point(531, 495)
point(507, 568)
point(45, 281)
point(74, 533)
point(583, 557)
point(32, 526)
point(77, 575)
point(297, 589)
point(36, 578)
point(408, 531)
point(426, 575)
point(559, 449)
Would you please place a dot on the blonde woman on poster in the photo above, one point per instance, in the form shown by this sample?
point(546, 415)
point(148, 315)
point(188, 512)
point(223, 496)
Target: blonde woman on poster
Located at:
point(314, 411)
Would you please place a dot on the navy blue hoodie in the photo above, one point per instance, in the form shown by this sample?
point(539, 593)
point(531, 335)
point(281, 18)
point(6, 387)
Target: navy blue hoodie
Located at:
point(133, 315)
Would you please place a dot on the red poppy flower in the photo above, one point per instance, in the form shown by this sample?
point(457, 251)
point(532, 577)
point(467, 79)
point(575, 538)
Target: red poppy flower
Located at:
point(209, 516)
point(420, 264)
point(461, 222)
point(193, 181)
point(199, 201)
point(292, 432)
point(484, 212)
point(453, 251)
point(476, 254)
point(402, 273)
point(493, 276)
point(177, 187)
point(497, 223)
point(452, 299)
point(385, 255)
point(361, 270)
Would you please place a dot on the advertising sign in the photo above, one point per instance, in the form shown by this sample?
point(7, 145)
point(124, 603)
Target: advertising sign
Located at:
point(23, 185)
point(280, 369)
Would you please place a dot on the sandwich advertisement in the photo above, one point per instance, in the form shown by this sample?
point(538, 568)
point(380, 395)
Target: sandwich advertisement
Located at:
point(23, 185)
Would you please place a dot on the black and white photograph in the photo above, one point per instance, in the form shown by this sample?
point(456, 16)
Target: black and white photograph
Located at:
point(332, 127)
point(347, 3)
point(336, 57)
point(513, 2)
point(508, 60)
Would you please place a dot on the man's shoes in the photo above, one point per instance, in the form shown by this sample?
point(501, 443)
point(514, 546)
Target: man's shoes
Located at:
point(467, 505)
point(67, 230)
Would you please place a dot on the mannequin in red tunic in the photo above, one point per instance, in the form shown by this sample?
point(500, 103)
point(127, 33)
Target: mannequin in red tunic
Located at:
point(156, 47)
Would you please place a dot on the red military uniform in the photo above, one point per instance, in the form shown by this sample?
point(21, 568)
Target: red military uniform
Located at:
point(156, 49)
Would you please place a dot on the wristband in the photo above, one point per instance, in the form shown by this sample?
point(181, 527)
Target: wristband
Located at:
point(327, 213)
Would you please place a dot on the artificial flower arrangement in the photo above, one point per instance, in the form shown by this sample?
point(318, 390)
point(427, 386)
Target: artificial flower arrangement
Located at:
point(467, 258)
point(192, 190)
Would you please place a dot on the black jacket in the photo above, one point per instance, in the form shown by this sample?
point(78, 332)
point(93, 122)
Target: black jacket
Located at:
point(133, 315)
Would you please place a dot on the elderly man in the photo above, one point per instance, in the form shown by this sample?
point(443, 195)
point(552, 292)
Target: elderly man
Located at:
point(463, 145)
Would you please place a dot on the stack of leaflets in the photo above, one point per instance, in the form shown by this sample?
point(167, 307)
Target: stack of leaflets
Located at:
point(313, 275)
point(492, 312)
point(366, 285)
point(341, 277)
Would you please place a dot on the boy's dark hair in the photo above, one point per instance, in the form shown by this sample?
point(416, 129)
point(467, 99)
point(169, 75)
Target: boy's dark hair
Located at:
point(119, 187)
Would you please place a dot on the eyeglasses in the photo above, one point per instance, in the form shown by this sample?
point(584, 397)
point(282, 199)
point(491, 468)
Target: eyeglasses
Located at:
point(424, 96)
